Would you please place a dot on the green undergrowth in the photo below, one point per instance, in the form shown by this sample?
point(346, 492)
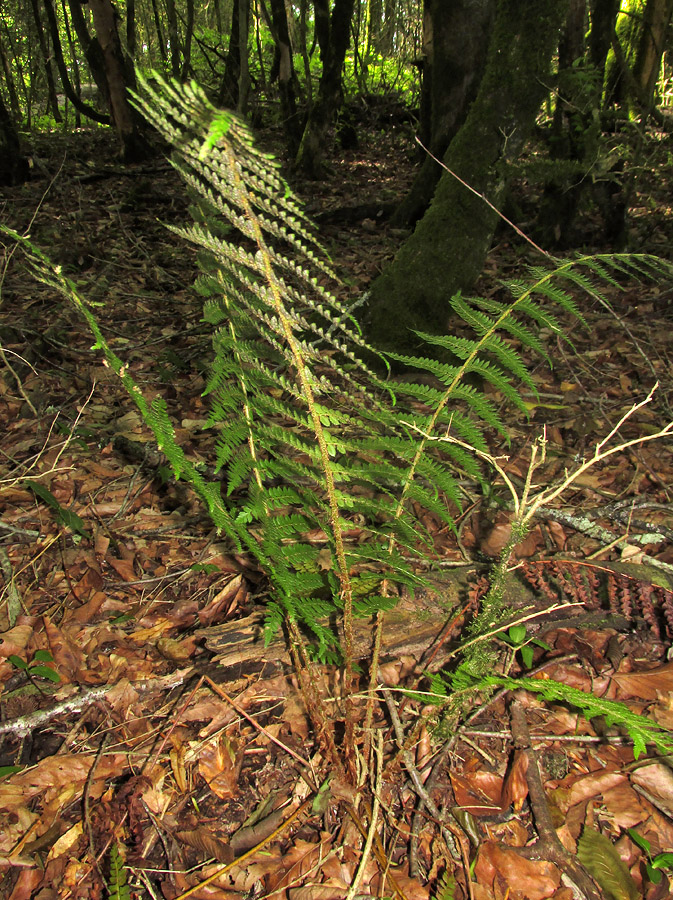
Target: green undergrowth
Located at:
point(329, 475)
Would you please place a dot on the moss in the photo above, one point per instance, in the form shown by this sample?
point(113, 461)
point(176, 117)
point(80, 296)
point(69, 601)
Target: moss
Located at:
point(446, 251)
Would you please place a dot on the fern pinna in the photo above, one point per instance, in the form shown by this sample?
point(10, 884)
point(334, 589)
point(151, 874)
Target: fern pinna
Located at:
point(313, 446)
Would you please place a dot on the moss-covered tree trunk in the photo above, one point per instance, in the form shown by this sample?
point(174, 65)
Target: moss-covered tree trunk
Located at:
point(454, 52)
point(656, 23)
point(448, 248)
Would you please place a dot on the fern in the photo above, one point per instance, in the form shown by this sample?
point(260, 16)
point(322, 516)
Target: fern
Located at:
point(118, 887)
point(446, 887)
point(311, 441)
point(641, 730)
point(446, 687)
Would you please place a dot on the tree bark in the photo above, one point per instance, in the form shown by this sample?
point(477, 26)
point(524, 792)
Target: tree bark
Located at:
point(119, 74)
point(283, 70)
point(576, 138)
point(160, 35)
point(173, 36)
point(228, 93)
point(333, 37)
point(14, 104)
point(131, 27)
point(48, 71)
point(455, 41)
point(13, 164)
point(447, 250)
point(244, 62)
point(603, 14)
point(651, 46)
point(68, 90)
point(189, 34)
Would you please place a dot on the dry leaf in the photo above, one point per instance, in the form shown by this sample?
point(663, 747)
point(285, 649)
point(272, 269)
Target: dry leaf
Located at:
point(515, 787)
point(220, 762)
point(210, 846)
point(527, 879)
point(647, 685)
point(657, 780)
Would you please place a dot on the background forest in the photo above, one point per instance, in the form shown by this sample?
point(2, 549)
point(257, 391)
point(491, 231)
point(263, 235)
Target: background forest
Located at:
point(340, 566)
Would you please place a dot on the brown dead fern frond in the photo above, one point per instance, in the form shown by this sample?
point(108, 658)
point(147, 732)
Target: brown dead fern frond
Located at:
point(599, 587)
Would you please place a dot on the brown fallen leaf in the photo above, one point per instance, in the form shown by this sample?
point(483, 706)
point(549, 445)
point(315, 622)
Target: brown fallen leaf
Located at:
point(657, 780)
point(220, 762)
point(526, 879)
point(646, 685)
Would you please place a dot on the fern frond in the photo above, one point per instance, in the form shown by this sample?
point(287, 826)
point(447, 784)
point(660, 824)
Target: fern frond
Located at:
point(641, 730)
point(312, 446)
point(118, 886)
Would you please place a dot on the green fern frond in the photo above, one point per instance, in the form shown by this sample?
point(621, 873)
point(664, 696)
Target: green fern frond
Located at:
point(118, 887)
point(312, 446)
point(641, 730)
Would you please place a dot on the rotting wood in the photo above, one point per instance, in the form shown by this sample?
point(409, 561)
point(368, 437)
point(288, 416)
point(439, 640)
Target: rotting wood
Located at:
point(410, 629)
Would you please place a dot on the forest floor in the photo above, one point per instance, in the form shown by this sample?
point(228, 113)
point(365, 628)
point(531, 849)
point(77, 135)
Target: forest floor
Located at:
point(140, 714)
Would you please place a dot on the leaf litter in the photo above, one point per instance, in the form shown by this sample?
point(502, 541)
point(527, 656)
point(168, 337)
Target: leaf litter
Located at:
point(191, 772)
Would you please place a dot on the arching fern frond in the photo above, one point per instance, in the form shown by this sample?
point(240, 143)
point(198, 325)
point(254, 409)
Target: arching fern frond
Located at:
point(323, 474)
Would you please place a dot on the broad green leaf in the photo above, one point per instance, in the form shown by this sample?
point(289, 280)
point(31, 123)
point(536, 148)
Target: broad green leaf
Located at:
point(602, 861)
point(639, 840)
point(45, 672)
point(66, 516)
point(527, 656)
point(17, 661)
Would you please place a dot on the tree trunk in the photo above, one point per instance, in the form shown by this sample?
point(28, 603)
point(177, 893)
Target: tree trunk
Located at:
point(603, 14)
point(44, 50)
point(333, 37)
point(387, 40)
point(575, 133)
point(651, 46)
point(74, 64)
point(244, 69)
point(131, 27)
point(173, 37)
point(455, 41)
point(14, 104)
point(447, 250)
point(283, 70)
point(119, 73)
point(228, 93)
point(189, 34)
point(160, 34)
point(68, 90)
point(303, 49)
point(576, 138)
point(13, 165)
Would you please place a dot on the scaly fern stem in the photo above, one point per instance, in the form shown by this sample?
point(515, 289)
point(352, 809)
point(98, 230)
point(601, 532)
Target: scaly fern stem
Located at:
point(308, 393)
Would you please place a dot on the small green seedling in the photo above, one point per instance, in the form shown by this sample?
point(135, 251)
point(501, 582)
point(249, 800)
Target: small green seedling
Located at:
point(207, 568)
point(63, 515)
point(35, 668)
point(654, 864)
point(516, 637)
